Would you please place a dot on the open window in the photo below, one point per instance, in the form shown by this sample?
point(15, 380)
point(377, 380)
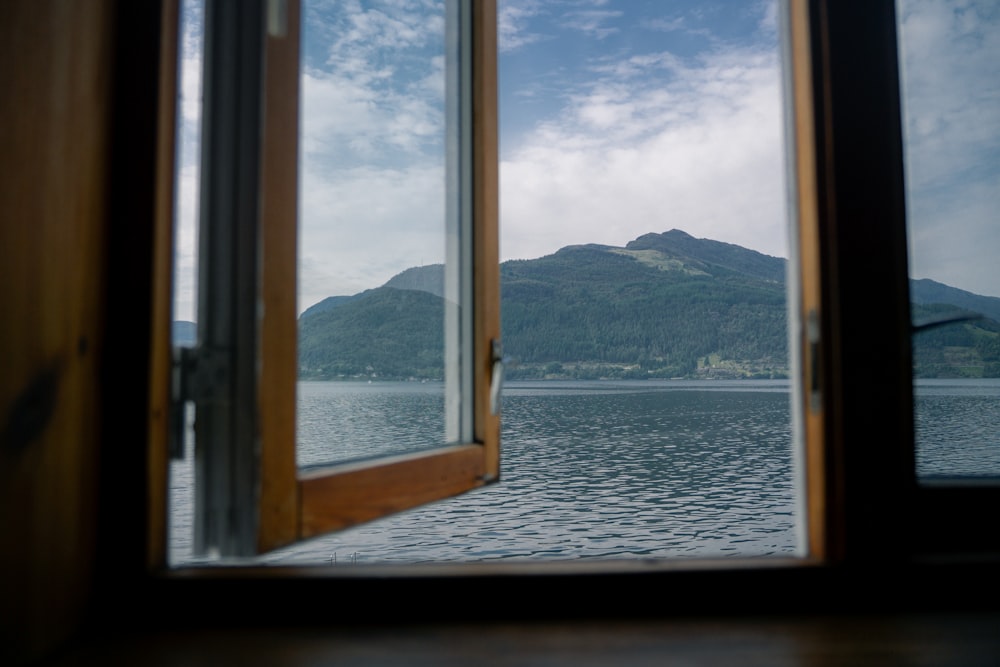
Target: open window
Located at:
point(251, 496)
point(850, 338)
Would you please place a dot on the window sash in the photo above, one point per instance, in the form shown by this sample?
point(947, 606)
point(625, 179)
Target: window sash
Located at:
point(866, 500)
point(253, 498)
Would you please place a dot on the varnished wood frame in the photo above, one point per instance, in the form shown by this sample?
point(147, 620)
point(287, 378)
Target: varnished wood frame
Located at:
point(860, 459)
point(161, 310)
point(296, 506)
point(806, 276)
point(58, 211)
point(277, 512)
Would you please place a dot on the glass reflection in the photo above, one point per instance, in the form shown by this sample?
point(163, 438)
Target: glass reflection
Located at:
point(372, 217)
point(950, 88)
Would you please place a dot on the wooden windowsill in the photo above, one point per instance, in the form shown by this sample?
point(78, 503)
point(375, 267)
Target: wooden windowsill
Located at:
point(966, 639)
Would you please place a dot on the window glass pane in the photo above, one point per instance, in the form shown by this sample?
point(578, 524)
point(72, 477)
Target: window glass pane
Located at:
point(372, 239)
point(377, 230)
point(181, 474)
point(950, 87)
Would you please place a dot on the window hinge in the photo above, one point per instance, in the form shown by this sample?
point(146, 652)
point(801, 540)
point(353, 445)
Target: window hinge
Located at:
point(200, 375)
point(277, 18)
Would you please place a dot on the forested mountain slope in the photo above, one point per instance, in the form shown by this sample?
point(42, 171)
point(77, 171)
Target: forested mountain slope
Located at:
point(665, 305)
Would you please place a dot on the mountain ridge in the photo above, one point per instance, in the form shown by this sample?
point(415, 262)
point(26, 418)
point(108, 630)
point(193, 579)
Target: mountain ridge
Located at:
point(664, 305)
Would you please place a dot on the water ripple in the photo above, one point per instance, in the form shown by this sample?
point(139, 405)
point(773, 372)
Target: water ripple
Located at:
point(597, 470)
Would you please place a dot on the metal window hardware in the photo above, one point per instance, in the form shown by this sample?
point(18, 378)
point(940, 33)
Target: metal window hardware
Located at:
point(813, 338)
point(497, 376)
point(277, 18)
point(201, 375)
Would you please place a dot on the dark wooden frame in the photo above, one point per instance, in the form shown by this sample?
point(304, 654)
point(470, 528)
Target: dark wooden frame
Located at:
point(82, 541)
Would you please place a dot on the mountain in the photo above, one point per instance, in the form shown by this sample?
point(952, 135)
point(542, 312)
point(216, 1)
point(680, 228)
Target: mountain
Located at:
point(328, 303)
point(678, 246)
point(665, 305)
point(925, 292)
point(385, 332)
point(424, 278)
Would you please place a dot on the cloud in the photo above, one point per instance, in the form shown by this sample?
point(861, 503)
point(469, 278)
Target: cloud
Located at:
point(590, 22)
point(185, 255)
point(188, 157)
point(951, 111)
point(512, 19)
point(372, 149)
point(373, 86)
point(634, 140)
point(653, 142)
point(347, 121)
point(364, 225)
point(646, 141)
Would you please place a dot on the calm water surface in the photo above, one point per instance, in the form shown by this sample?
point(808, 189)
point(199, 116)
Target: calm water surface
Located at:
point(958, 427)
point(599, 470)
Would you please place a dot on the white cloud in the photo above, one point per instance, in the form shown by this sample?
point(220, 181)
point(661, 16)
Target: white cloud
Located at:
point(372, 148)
point(951, 102)
point(361, 226)
point(590, 22)
point(647, 142)
point(512, 19)
point(653, 143)
point(185, 257)
point(188, 157)
point(346, 122)
point(377, 91)
point(190, 67)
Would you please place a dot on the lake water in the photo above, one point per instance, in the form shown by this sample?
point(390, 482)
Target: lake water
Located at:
point(600, 470)
point(958, 427)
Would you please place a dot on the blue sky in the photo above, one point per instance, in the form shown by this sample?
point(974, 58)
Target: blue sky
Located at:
point(617, 118)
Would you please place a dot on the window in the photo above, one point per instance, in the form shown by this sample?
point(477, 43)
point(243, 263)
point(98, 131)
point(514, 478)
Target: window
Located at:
point(851, 311)
point(725, 517)
point(241, 374)
point(606, 454)
point(86, 318)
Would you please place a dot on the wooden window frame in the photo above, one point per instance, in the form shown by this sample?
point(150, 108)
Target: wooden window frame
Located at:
point(89, 179)
point(344, 495)
point(289, 504)
point(865, 500)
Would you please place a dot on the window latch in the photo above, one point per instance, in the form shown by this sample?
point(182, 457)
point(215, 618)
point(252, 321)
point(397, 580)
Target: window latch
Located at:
point(277, 18)
point(200, 375)
point(497, 376)
point(813, 337)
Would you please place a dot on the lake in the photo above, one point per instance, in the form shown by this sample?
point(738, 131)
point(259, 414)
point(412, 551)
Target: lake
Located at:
point(599, 469)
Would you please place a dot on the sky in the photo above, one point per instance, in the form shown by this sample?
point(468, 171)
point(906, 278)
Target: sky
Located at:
point(617, 118)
